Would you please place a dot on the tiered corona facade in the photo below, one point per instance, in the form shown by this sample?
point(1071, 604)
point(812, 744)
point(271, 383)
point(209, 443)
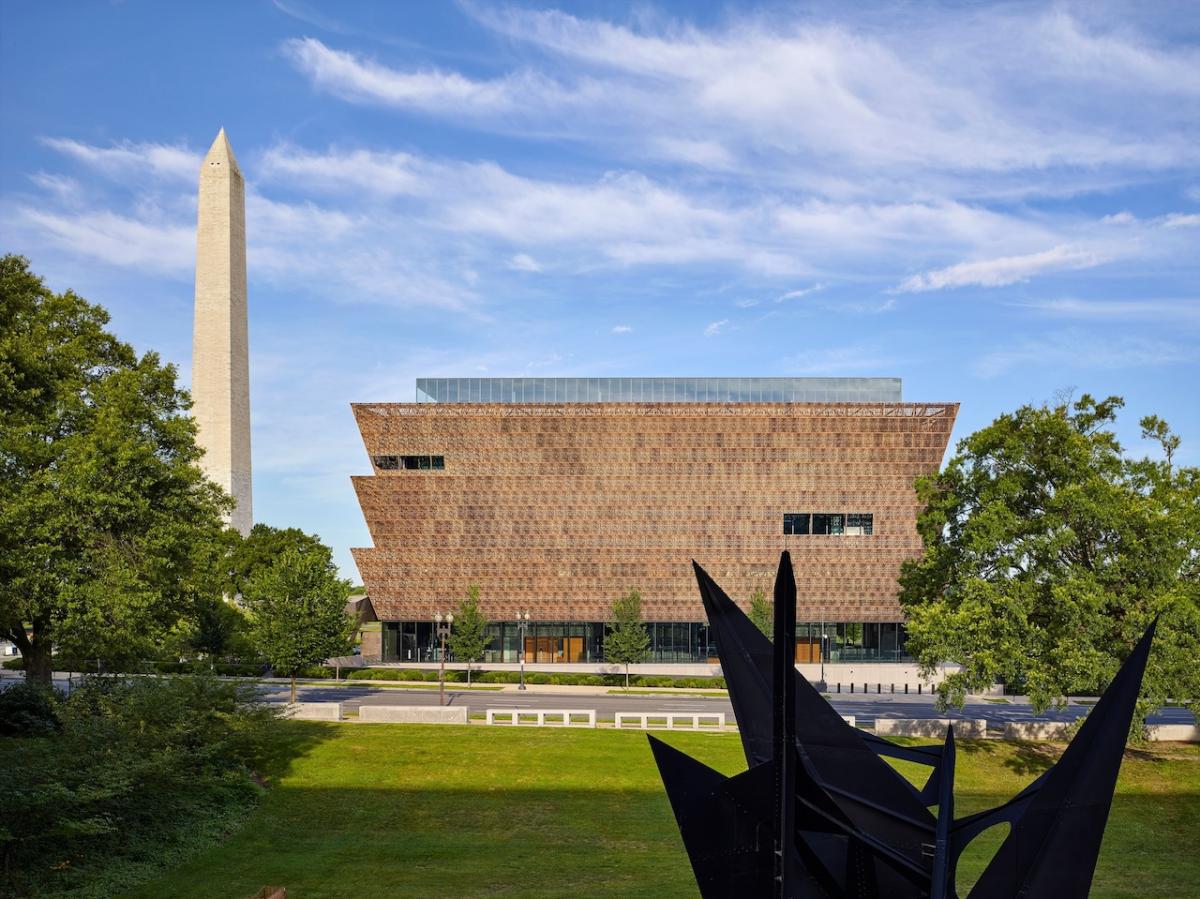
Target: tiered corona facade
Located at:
point(557, 508)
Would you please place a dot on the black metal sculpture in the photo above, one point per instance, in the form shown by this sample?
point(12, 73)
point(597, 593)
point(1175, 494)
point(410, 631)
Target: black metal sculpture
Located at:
point(818, 814)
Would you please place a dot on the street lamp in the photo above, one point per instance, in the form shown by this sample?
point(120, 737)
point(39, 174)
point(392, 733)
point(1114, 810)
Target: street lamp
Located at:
point(824, 686)
point(443, 631)
point(522, 625)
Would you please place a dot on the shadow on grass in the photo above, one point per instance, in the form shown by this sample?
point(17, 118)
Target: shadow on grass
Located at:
point(1032, 758)
point(284, 743)
point(367, 843)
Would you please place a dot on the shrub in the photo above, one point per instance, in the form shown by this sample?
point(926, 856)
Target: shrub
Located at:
point(27, 709)
point(239, 669)
point(139, 763)
point(315, 671)
point(17, 664)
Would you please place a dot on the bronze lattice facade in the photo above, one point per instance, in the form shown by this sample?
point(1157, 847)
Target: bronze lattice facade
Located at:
point(556, 508)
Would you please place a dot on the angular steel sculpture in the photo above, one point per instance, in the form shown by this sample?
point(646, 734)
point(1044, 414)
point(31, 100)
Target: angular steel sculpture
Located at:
point(819, 814)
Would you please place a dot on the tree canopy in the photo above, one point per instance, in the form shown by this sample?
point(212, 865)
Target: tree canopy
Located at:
point(1048, 551)
point(108, 530)
point(259, 549)
point(468, 640)
point(298, 611)
point(626, 640)
point(762, 613)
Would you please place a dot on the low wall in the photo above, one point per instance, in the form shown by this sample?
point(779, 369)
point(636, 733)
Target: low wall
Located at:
point(313, 711)
point(1054, 731)
point(413, 714)
point(969, 728)
point(1181, 733)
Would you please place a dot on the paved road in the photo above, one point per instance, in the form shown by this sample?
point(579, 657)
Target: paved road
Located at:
point(865, 710)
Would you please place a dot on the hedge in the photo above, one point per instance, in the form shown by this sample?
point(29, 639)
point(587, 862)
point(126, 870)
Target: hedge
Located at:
point(535, 677)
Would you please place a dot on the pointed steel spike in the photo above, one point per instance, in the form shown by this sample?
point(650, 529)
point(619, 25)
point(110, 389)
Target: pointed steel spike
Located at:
point(725, 823)
point(840, 754)
point(1052, 848)
point(941, 882)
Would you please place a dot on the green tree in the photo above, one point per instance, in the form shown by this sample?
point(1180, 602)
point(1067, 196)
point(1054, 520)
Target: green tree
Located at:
point(298, 611)
point(762, 613)
point(259, 549)
point(1047, 553)
point(469, 639)
point(107, 527)
point(626, 640)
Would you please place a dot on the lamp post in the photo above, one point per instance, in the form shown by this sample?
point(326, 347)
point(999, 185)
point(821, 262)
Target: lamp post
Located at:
point(824, 686)
point(522, 625)
point(443, 631)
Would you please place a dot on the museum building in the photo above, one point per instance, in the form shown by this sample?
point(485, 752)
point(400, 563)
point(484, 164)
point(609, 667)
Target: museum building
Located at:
point(557, 495)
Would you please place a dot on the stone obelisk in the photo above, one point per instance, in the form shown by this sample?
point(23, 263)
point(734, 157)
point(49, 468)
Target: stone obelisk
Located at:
point(220, 342)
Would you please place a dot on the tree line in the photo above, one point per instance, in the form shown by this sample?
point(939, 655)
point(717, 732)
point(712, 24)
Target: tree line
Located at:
point(113, 545)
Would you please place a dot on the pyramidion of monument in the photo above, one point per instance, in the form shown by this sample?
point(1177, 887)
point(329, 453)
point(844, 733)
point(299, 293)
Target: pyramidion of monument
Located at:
point(220, 340)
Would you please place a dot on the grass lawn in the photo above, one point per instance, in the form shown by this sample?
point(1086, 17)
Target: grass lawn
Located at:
point(437, 811)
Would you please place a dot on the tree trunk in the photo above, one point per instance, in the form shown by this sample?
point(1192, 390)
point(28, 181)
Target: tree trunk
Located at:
point(626, 677)
point(36, 653)
point(293, 688)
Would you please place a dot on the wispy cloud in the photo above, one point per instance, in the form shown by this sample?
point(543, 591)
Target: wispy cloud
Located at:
point(1083, 351)
point(1119, 310)
point(797, 294)
point(155, 246)
point(622, 329)
point(523, 262)
point(1004, 270)
point(127, 157)
point(362, 80)
point(813, 91)
point(1181, 220)
point(715, 328)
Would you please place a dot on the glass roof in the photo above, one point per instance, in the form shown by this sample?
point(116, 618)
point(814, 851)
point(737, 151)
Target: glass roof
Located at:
point(658, 390)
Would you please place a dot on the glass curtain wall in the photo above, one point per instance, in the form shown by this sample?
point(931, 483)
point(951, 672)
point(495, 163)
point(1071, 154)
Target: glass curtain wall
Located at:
point(551, 642)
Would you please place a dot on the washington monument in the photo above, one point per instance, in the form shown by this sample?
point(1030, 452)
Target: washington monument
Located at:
point(220, 343)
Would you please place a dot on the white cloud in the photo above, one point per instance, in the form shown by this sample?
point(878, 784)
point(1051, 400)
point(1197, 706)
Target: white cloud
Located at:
point(523, 262)
point(1187, 311)
point(362, 80)
point(65, 189)
point(715, 328)
point(917, 91)
point(797, 294)
point(1181, 220)
point(707, 154)
point(129, 158)
point(1004, 270)
point(161, 247)
point(371, 173)
point(621, 329)
point(1083, 351)
point(746, 304)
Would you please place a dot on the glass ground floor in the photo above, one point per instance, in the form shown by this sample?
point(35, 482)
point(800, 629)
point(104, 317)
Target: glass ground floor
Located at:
point(687, 641)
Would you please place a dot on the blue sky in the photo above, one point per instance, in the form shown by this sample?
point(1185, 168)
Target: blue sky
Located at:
point(995, 203)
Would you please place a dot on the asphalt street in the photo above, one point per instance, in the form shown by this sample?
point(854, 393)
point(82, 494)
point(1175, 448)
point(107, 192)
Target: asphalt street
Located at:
point(865, 710)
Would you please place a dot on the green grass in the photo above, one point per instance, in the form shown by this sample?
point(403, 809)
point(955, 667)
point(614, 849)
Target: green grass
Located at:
point(439, 811)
